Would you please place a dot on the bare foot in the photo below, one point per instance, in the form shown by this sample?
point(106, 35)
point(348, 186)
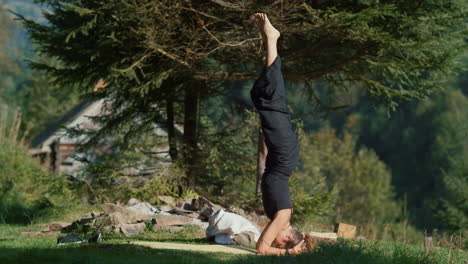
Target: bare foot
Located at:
point(264, 27)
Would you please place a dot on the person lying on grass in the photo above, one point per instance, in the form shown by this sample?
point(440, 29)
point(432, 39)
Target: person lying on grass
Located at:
point(280, 145)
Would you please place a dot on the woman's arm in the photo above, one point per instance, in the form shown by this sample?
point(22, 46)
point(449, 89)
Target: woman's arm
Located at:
point(269, 233)
point(280, 221)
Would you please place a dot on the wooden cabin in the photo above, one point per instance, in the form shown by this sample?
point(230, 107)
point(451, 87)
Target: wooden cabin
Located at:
point(56, 151)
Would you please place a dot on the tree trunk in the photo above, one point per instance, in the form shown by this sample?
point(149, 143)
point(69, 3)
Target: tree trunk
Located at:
point(262, 152)
point(55, 156)
point(190, 133)
point(170, 128)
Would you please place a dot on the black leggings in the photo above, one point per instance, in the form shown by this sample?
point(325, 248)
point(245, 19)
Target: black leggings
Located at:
point(268, 94)
point(275, 192)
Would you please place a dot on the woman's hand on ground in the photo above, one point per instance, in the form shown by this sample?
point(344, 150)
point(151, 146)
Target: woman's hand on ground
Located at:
point(297, 249)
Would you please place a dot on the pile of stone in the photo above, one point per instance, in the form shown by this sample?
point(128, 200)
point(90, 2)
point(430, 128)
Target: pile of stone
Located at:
point(136, 217)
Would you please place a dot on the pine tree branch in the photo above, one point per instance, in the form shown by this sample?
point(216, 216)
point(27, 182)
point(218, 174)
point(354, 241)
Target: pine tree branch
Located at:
point(169, 55)
point(227, 4)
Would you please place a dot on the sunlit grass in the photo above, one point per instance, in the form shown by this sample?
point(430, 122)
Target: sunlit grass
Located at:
point(17, 248)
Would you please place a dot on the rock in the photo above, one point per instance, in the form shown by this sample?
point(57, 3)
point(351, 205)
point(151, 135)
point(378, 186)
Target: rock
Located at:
point(132, 202)
point(198, 222)
point(131, 229)
point(172, 229)
point(57, 226)
point(326, 235)
point(131, 216)
point(91, 215)
point(245, 239)
point(112, 208)
point(169, 200)
point(188, 213)
point(197, 216)
point(170, 220)
point(165, 208)
point(109, 229)
point(81, 225)
point(205, 207)
point(145, 208)
point(179, 211)
point(114, 219)
point(175, 229)
point(110, 219)
point(345, 230)
point(260, 221)
point(238, 211)
point(186, 204)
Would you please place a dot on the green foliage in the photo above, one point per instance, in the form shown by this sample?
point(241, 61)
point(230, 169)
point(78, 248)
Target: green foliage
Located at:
point(149, 51)
point(361, 181)
point(189, 194)
point(227, 159)
point(310, 194)
point(453, 210)
point(7, 64)
point(43, 104)
point(26, 189)
point(166, 184)
point(141, 169)
point(425, 144)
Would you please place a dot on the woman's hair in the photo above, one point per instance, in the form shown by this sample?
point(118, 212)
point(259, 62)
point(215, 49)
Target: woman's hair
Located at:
point(296, 237)
point(310, 243)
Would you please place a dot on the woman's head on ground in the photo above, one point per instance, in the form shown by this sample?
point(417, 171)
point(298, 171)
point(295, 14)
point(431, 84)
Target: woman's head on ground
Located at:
point(288, 238)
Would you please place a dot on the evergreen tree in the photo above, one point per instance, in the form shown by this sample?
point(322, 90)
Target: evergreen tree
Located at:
point(155, 54)
point(425, 144)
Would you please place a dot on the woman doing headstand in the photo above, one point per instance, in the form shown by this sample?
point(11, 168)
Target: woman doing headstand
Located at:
point(281, 145)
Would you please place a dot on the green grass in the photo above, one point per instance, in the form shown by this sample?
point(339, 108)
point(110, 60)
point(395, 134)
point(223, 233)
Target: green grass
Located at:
point(15, 248)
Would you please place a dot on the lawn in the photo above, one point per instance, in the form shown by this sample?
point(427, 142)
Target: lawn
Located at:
point(16, 247)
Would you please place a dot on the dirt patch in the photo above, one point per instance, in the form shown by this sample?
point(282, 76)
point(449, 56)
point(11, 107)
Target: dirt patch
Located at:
point(233, 249)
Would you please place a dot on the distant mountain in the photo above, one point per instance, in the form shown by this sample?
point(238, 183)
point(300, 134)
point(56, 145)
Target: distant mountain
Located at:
point(19, 46)
point(27, 8)
point(19, 41)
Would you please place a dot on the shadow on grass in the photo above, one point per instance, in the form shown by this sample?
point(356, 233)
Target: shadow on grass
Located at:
point(199, 241)
point(159, 237)
point(105, 253)
point(342, 252)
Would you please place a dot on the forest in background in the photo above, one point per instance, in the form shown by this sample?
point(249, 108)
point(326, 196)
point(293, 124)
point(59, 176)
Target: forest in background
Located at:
point(363, 163)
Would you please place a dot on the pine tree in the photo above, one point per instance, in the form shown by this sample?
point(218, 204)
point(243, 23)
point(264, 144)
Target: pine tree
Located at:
point(155, 54)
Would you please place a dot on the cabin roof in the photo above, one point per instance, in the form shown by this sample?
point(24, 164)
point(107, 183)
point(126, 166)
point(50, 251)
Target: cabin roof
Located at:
point(68, 117)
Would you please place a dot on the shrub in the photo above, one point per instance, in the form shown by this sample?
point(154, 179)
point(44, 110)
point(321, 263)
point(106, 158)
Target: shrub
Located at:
point(26, 189)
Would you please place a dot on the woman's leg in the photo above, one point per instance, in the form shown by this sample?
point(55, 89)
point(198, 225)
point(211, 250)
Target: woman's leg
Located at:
point(270, 36)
